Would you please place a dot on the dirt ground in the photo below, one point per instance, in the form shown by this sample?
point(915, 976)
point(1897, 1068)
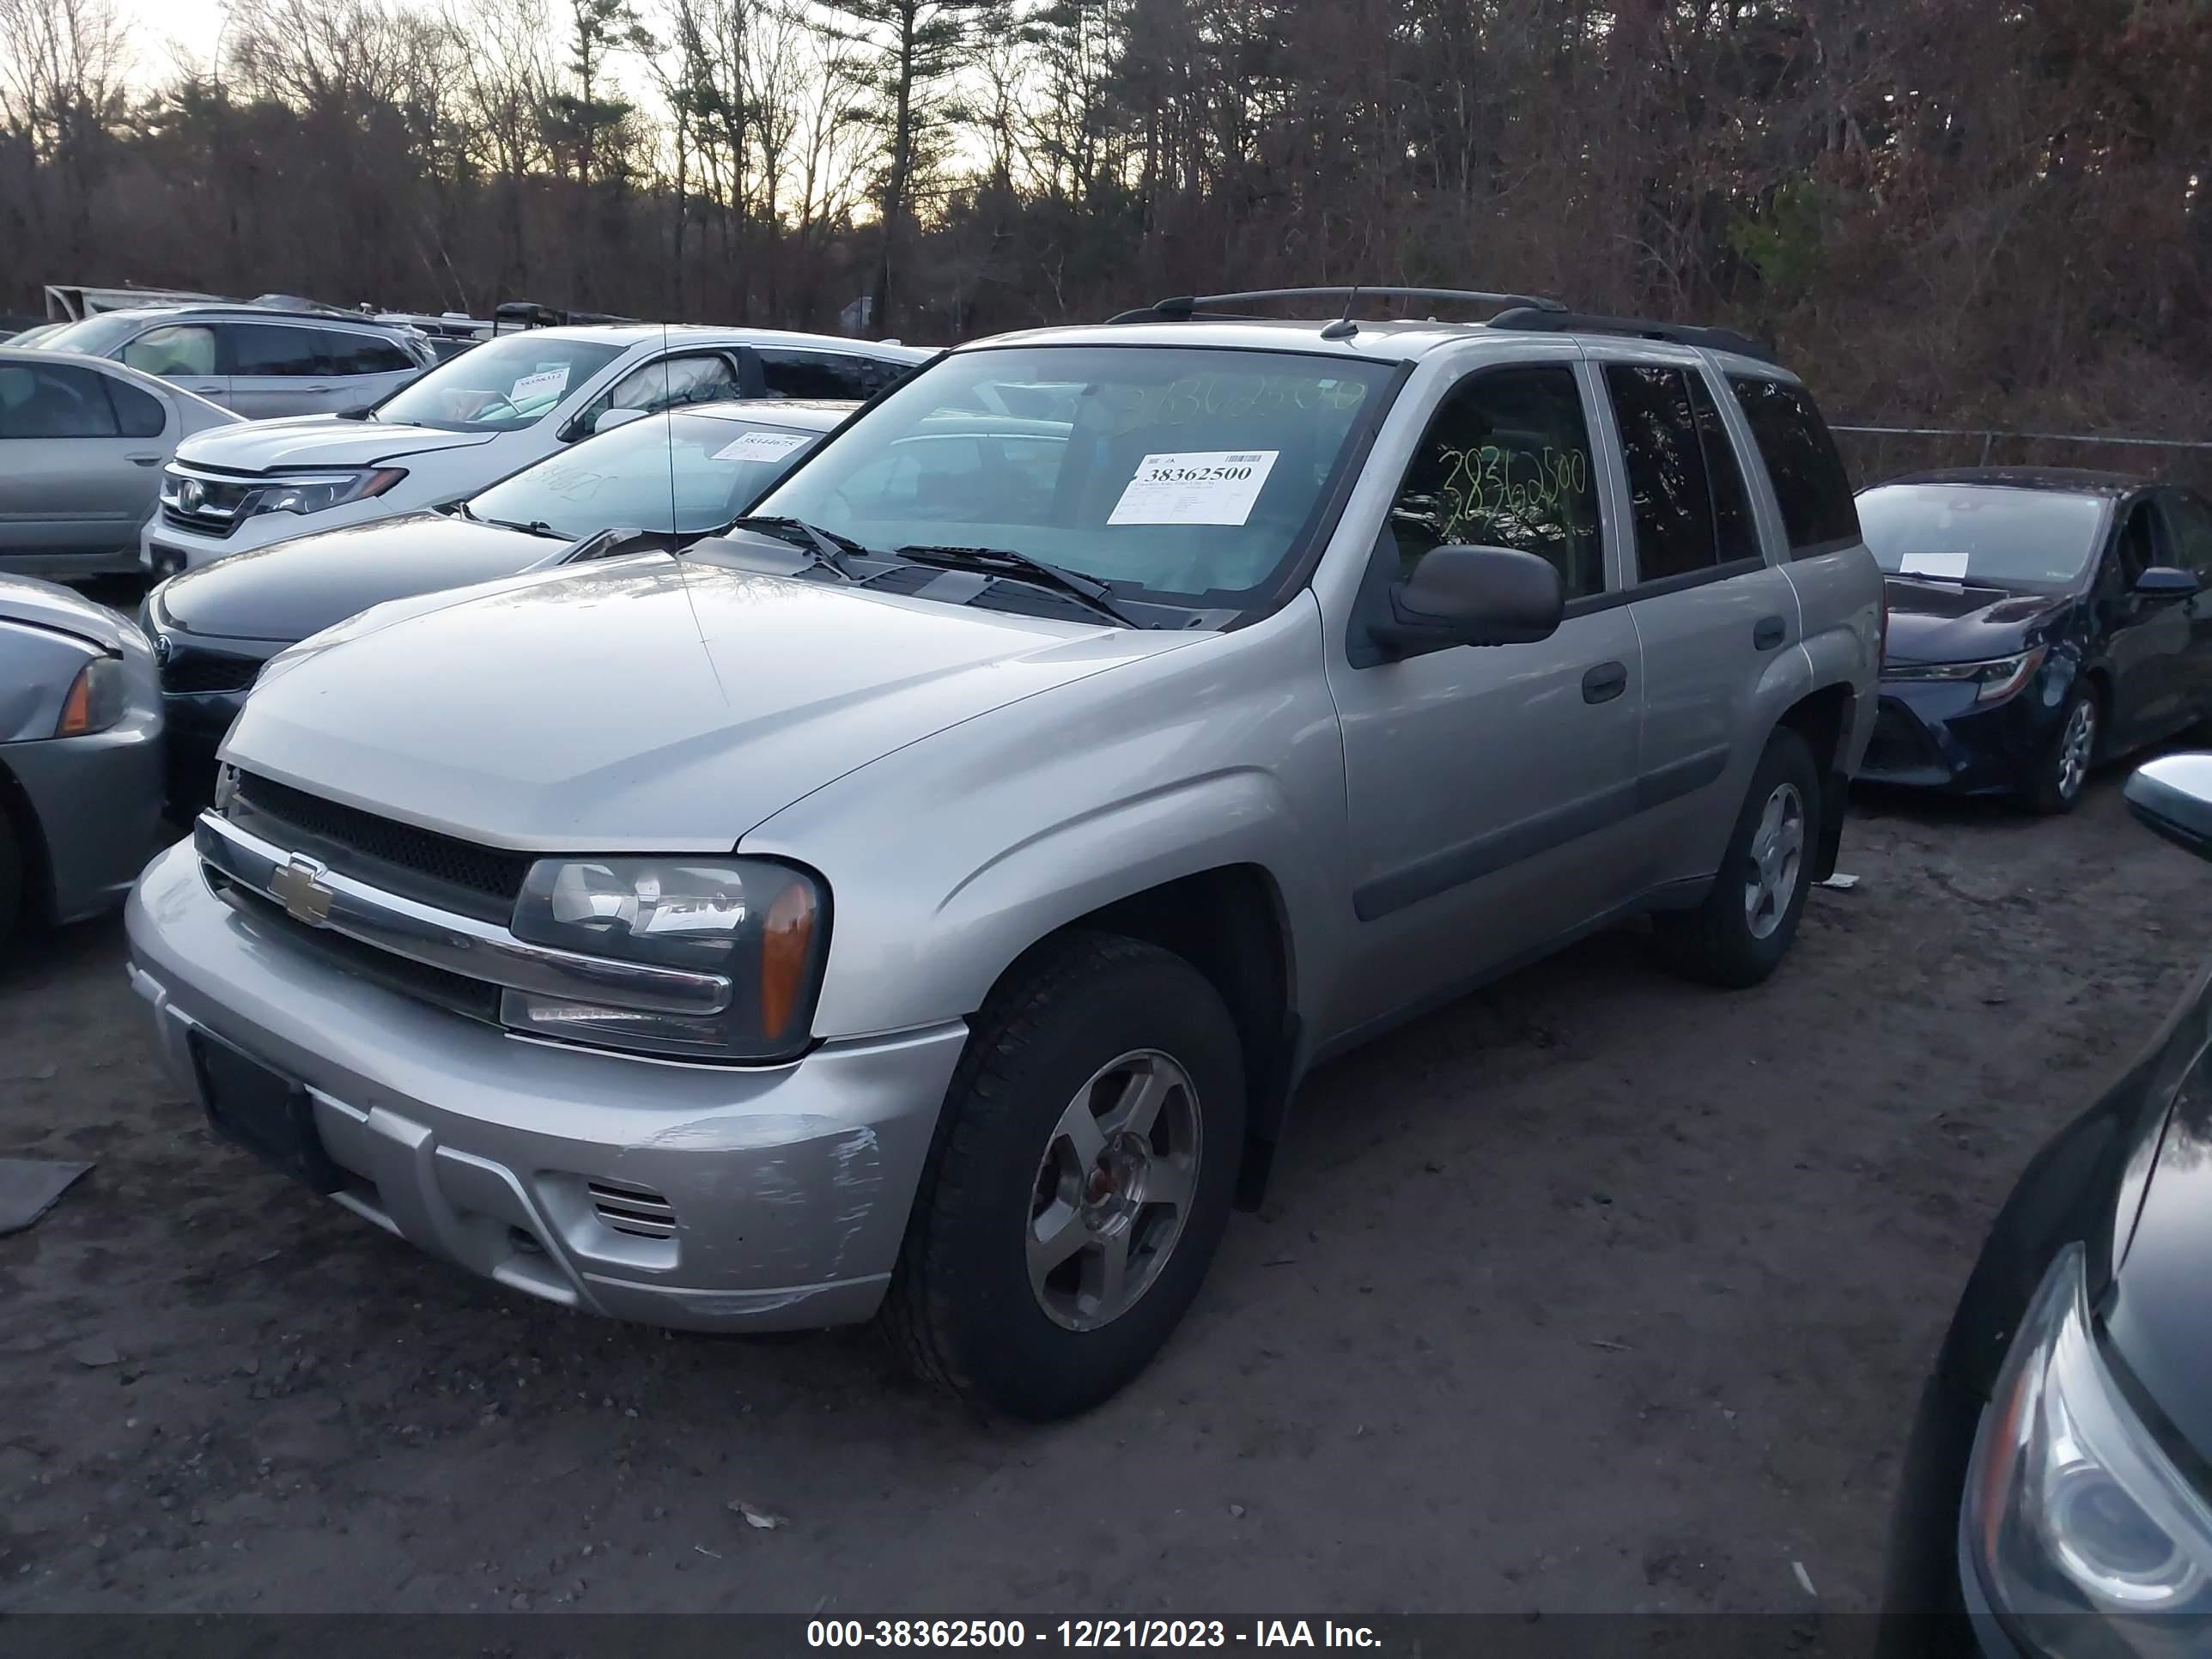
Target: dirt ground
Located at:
point(1596, 1291)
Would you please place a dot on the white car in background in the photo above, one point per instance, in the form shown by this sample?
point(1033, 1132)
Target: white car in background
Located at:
point(497, 408)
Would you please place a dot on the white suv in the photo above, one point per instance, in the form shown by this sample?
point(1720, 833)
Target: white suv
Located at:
point(260, 362)
point(471, 421)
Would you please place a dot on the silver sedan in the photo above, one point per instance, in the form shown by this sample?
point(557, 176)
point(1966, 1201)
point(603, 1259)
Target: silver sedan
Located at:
point(82, 445)
point(80, 756)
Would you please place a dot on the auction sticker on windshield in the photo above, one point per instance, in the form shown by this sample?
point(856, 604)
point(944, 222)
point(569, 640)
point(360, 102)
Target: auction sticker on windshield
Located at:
point(1200, 486)
point(1953, 565)
point(546, 383)
point(760, 446)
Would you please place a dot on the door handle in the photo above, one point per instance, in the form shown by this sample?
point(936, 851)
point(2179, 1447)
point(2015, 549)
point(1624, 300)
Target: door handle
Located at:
point(1768, 633)
point(314, 388)
point(1604, 682)
point(144, 460)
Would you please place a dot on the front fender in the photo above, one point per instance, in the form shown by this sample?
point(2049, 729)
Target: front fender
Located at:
point(948, 858)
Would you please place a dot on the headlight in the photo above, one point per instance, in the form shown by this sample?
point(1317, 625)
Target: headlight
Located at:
point(2070, 1505)
point(765, 926)
point(95, 699)
point(318, 492)
point(1999, 677)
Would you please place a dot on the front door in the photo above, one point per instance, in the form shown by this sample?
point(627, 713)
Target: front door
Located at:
point(1713, 615)
point(184, 354)
point(2146, 640)
point(73, 485)
point(1489, 787)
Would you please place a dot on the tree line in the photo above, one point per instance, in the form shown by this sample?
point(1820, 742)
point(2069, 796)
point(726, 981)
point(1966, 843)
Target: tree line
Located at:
point(1997, 211)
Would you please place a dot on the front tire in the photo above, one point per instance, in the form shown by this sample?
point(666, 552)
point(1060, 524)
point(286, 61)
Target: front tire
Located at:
point(2063, 768)
point(1740, 935)
point(1078, 1182)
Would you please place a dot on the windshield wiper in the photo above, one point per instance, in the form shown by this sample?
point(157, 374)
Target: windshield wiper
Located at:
point(829, 548)
point(535, 527)
point(1962, 578)
point(1020, 567)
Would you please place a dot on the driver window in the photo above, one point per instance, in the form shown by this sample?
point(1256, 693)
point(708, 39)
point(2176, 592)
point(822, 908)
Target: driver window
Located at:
point(1506, 463)
point(2133, 553)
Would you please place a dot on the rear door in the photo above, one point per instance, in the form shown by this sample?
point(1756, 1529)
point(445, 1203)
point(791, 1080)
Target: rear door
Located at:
point(185, 353)
point(364, 368)
point(277, 368)
point(73, 485)
point(1712, 611)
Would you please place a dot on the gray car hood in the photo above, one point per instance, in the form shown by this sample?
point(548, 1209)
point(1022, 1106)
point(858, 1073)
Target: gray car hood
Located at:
point(316, 440)
point(646, 704)
point(48, 604)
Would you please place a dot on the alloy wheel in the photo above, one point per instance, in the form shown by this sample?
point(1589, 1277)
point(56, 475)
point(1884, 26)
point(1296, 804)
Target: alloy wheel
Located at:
point(1778, 855)
point(1114, 1189)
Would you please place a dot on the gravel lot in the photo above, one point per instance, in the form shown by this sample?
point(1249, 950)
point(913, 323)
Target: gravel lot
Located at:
point(1595, 1293)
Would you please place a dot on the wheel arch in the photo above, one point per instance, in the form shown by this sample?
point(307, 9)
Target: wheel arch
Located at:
point(31, 846)
point(1825, 718)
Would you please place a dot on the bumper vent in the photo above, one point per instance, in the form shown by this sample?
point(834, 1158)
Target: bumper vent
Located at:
point(634, 1209)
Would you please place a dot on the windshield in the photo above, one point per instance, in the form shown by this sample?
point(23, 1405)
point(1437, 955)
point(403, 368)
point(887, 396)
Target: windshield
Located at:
point(499, 386)
point(1981, 533)
point(96, 337)
point(711, 468)
point(1174, 471)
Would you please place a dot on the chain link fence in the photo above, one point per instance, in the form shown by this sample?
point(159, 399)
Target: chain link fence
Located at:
point(1876, 452)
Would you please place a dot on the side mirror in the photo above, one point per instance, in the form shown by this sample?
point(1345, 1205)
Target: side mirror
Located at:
point(2172, 795)
point(609, 419)
point(1473, 596)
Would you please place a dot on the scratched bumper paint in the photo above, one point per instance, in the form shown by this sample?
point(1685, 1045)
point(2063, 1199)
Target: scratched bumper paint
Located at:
point(790, 1186)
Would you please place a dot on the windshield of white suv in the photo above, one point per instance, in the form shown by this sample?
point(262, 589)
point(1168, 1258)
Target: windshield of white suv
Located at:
point(498, 387)
point(708, 468)
point(1981, 533)
point(1176, 471)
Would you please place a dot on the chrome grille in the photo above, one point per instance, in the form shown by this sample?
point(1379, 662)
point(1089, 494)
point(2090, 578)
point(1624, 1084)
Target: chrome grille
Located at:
point(638, 1210)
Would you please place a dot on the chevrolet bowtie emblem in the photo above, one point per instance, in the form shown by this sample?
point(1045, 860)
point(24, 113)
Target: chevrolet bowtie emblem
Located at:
point(304, 897)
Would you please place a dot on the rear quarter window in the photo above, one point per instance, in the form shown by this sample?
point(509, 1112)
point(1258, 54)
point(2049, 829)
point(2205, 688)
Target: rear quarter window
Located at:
point(1810, 485)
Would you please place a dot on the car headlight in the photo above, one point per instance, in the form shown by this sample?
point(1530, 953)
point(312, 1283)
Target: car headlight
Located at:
point(1999, 676)
point(2070, 1506)
point(763, 925)
point(95, 700)
point(318, 492)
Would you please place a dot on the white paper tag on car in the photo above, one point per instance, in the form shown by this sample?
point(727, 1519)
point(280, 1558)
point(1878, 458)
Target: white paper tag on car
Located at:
point(760, 446)
point(546, 383)
point(1935, 564)
point(1199, 486)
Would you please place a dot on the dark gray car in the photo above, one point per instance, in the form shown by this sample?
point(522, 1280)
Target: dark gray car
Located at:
point(80, 756)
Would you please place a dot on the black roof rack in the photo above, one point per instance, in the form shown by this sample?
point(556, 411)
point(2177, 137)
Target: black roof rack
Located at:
point(1546, 320)
point(1185, 307)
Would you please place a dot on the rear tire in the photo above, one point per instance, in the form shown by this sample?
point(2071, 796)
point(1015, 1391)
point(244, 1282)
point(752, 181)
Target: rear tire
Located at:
point(1740, 935)
point(1078, 1182)
point(2062, 771)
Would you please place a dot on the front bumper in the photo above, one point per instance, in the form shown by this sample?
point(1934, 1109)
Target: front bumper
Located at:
point(97, 800)
point(789, 1187)
point(1931, 735)
point(165, 549)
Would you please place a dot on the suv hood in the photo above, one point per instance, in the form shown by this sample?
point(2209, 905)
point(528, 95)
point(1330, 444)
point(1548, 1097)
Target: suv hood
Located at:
point(1943, 621)
point(316, 440)
point(289, 590)
point(645, 704)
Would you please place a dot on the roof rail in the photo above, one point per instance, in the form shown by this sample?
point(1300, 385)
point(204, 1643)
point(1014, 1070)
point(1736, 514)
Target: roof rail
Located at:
point(1546, 321)
point(1185, 307)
